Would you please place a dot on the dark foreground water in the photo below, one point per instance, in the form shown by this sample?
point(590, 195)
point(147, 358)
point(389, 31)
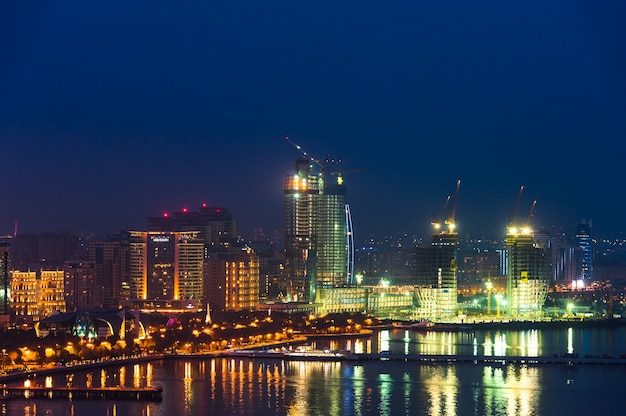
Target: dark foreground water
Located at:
point(224, 386)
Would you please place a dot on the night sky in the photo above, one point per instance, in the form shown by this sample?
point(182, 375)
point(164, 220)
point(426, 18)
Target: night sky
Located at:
point(114, 111)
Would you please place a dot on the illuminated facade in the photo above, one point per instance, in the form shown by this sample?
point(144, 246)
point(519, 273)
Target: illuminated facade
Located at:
point(528, 276)
point(51, 292)
point(37, 295)
point(232, 282)
point(331, 231)
point(318, 232)
point(381, 300)
point(242, 281)
point(24, 293)
point(436, 270)
point(166, 265)
point(301, 201)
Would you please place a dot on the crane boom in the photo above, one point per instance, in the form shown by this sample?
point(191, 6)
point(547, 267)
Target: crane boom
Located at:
point(530, 214)
point(456, 198)
point(297, 146)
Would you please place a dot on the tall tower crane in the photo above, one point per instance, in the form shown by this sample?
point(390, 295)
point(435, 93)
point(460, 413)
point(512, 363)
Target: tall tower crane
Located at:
point(437, 220)
point(324, 167)
point(450, 221)
point(524, 228)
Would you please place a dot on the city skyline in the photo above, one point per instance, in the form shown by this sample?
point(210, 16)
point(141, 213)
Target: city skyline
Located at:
point(111, 113)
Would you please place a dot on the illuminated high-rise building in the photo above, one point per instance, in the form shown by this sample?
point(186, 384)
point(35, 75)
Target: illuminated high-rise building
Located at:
point(528, 273)
point(241, 284)
point(166, 265)
point(301, 207)
point(317, 231)
point(216, 230)
point(331, 231)
point(585, 243)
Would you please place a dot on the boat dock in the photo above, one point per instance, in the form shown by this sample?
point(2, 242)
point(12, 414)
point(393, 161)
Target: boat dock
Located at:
point(486, 359)
point(78, 393)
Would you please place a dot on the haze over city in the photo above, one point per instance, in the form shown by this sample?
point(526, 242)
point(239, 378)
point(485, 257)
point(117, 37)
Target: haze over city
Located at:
point(113, 112)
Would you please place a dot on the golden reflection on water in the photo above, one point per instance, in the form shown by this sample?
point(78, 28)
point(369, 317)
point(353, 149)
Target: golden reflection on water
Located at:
point(123, 377)
point(442, 386)
point(515, 388)
point(136, 376)
point(301, 372)
point(437, 343)
point(149, 370)
point(187, 390)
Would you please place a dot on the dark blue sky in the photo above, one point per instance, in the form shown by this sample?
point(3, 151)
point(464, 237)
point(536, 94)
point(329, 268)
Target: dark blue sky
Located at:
point(113, 111)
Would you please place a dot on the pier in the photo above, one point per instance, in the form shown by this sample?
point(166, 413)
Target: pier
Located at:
point(78, 393)
point(486, 359)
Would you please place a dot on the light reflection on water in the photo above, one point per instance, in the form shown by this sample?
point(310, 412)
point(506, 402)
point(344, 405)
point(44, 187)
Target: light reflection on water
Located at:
point(276, 387)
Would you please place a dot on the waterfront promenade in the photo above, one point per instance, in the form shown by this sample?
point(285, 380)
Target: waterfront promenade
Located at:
point(259, 351)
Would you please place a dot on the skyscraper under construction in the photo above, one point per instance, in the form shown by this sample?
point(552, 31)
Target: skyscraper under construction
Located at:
point(436, 268)
point(317, 230)
point(528, 273)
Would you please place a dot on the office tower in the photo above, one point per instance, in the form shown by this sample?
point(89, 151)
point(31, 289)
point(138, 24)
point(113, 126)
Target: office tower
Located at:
point(82, 289)
point(331, 232)
point(565, 259)
point(165, 265)
point(5, 278)
point(528, 275)
point(318, 231)
point(584, 241)
point(217, 231)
